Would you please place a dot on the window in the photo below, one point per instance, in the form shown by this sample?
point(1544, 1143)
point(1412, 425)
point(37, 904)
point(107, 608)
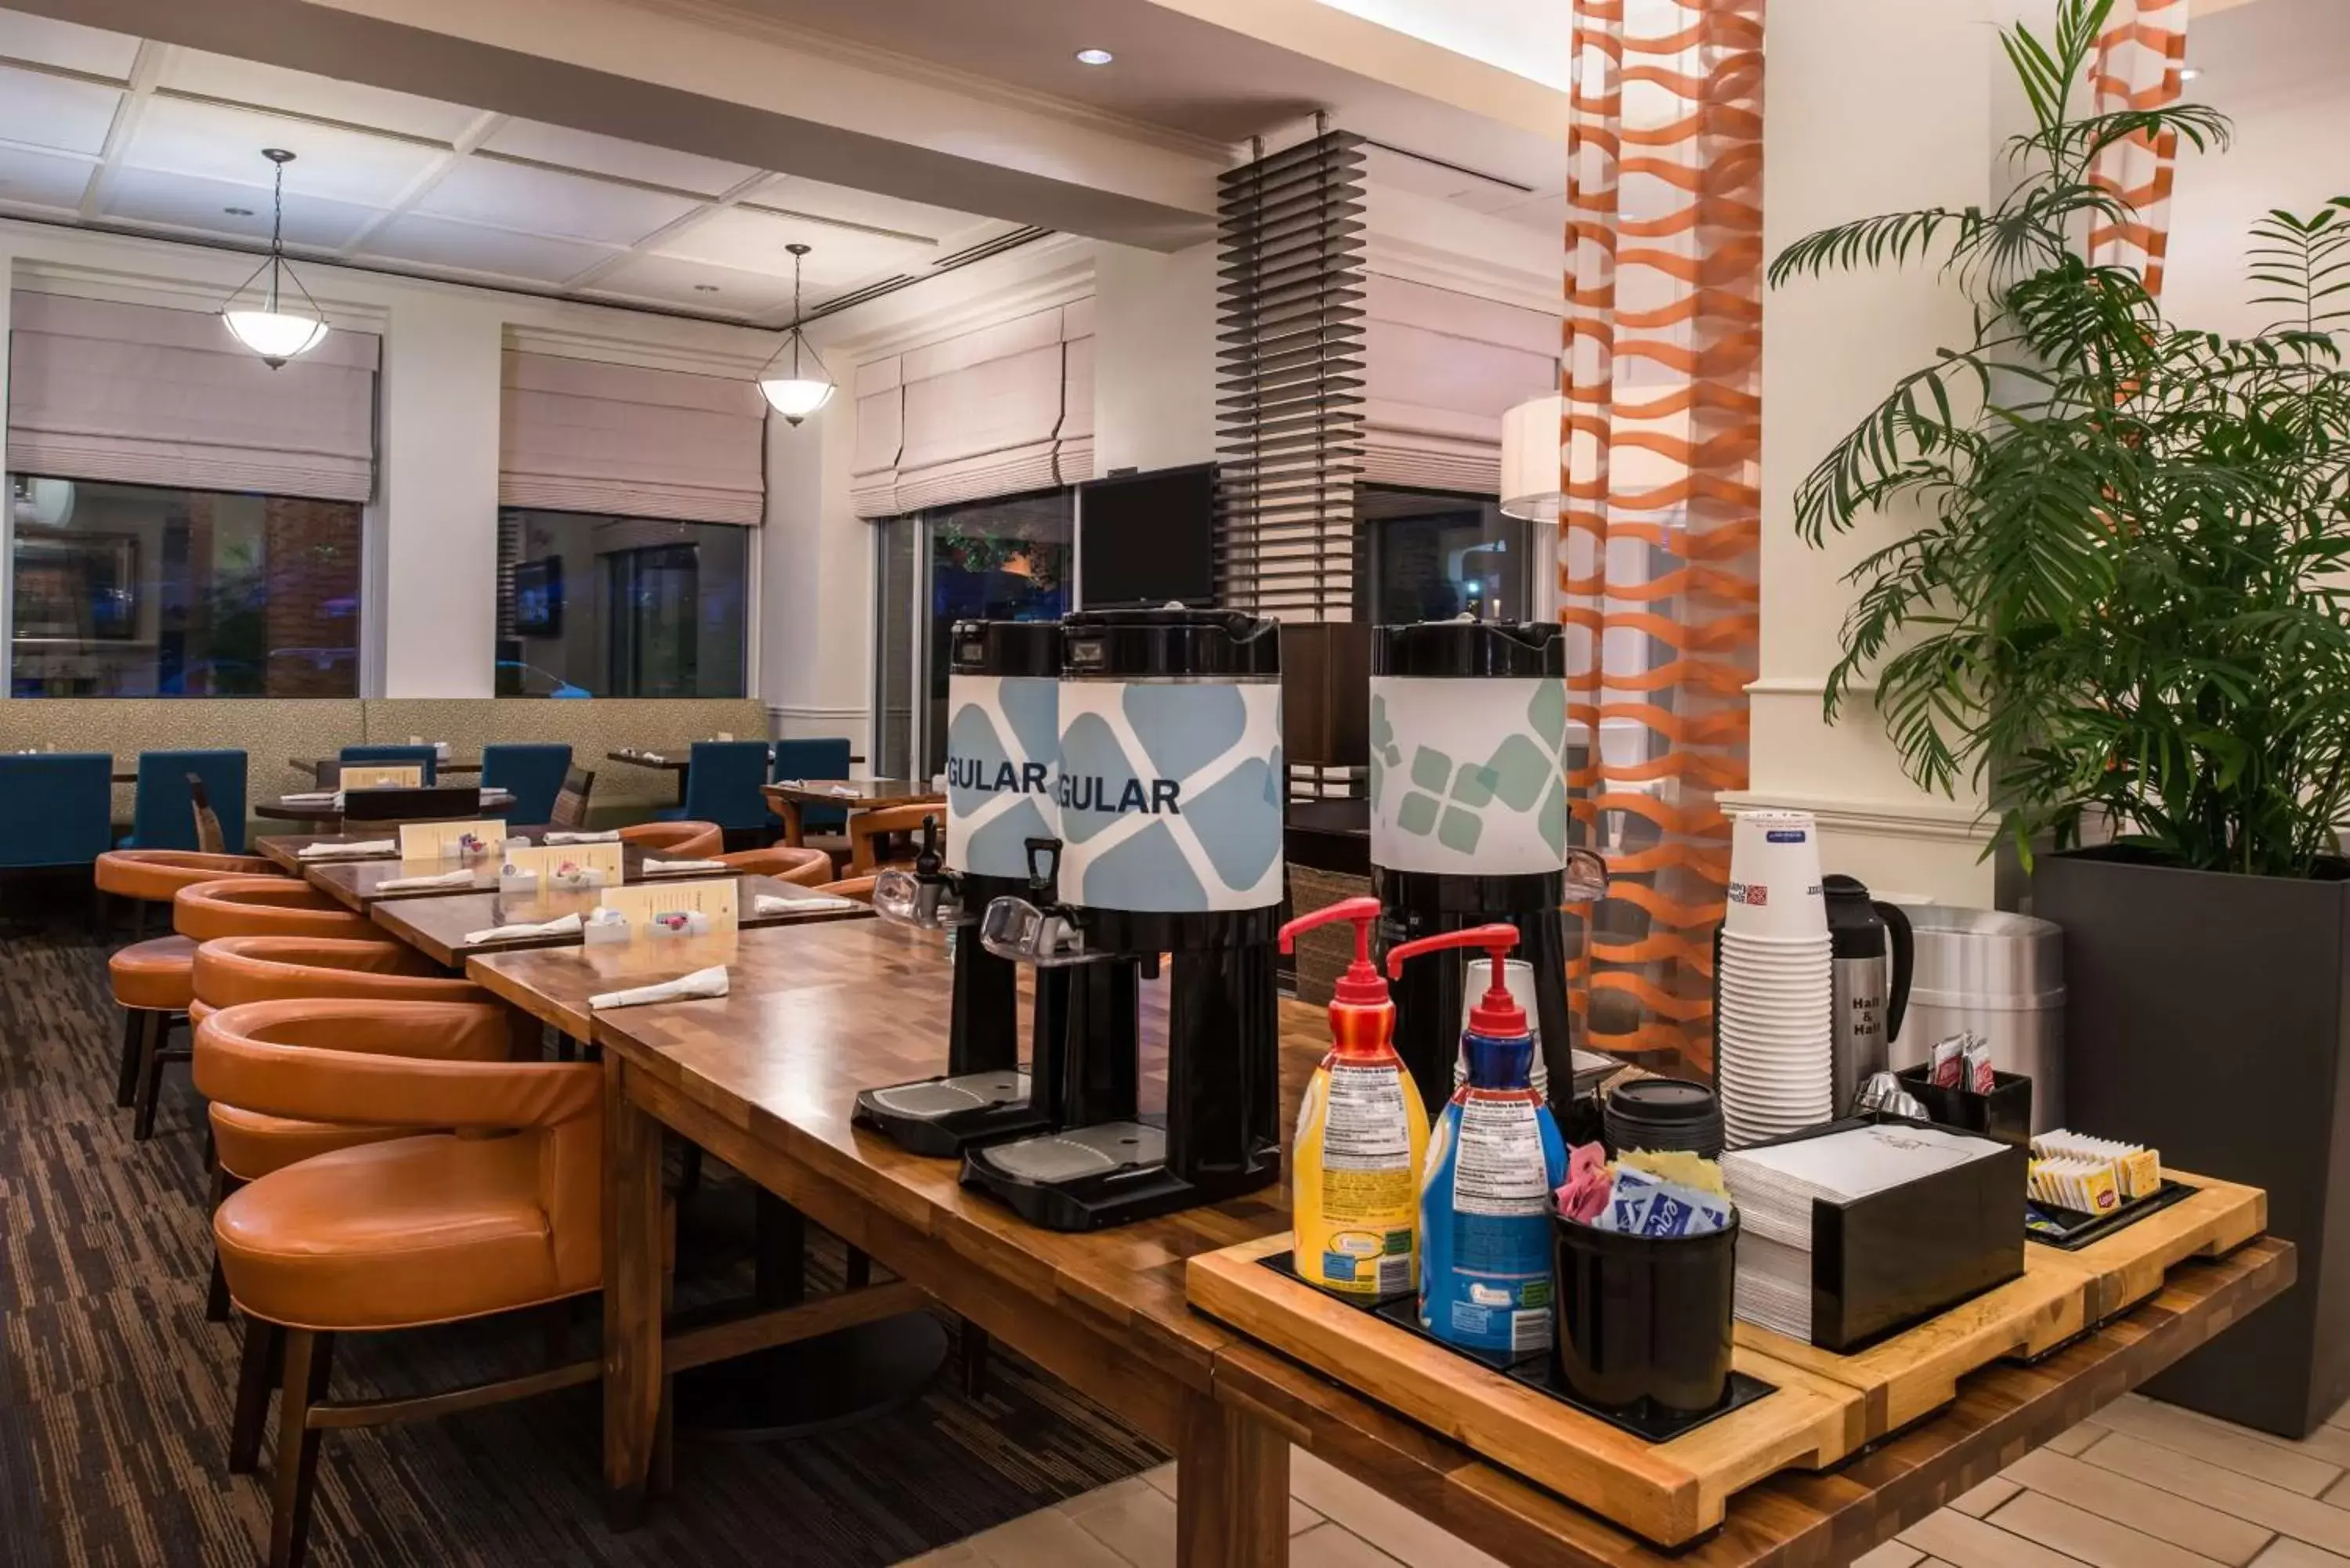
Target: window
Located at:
point(126, 590)
point(991, 560)
point(1428, 556)
point(590, 606)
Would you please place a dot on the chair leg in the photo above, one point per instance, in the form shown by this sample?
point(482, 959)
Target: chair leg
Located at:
point(974, 1344)
point(257, 1371)
point(216, 1301)
point(307, 1357)
point(139, 908)
point(126, 1077)
point(151, 1076)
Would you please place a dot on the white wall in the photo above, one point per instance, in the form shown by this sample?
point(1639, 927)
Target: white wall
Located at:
point(2289, 152)
point(815, 640)
point(433, 545)
point(1154, 358)
point(1875, 106)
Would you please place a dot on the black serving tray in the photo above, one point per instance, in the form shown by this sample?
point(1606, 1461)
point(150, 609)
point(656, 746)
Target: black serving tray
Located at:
point(2080, 1229)
point(1540, 1371)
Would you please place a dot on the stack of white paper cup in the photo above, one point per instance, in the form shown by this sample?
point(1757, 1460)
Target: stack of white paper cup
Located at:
point(1773, 1040)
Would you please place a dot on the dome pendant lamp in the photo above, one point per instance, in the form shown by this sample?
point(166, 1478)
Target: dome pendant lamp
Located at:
point(268, 327)
point(799, 394)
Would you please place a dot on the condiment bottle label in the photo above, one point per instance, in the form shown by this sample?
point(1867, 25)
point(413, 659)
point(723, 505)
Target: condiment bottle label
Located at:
point(1499, 1169)
point(1367, 1128)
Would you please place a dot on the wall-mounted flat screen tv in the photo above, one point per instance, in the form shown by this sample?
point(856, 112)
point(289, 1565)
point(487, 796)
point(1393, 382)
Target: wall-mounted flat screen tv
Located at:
point(1148, 538)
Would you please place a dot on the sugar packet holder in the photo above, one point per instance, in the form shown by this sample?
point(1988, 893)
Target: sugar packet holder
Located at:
point(604, 926)
point(1645, 1205)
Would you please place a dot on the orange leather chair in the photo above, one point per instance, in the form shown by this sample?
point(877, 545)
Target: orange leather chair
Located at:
point(807, 867)
point(161, 974)
point(677, 840)
point(504, 1214)
point(151, 978)
point(871, 833)
point(234, 970)
point(857, 888)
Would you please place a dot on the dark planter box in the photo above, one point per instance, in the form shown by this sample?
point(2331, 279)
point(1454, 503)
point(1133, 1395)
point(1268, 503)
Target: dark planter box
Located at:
point(2209, 1014)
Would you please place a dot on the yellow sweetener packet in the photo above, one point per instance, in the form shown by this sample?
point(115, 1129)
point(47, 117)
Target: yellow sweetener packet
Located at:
point(1678, 1165)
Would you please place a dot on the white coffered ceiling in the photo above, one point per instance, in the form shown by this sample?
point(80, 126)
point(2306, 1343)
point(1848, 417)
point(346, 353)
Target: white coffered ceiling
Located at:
point(108, 130)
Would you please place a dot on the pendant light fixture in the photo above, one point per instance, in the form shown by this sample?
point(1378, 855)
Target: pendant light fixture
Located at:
point(268, 326)
point(799, 394)
point(1530, 437)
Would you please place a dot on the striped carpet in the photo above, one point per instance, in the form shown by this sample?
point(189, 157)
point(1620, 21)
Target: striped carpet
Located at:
point(115, 1392)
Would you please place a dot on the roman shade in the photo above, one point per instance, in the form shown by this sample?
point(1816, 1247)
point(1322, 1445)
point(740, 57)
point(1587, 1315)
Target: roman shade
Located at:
point(138, 394)
point(579, 435)
point(1442, 369)
point(990, 412)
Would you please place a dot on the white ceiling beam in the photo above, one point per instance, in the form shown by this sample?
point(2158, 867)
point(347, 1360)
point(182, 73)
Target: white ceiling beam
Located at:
point(483, 126)
point(146, 71)
point(585, 277)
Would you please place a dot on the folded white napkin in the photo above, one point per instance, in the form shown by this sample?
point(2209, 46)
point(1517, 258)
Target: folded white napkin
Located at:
point(652, 757)
point(670, 868)
point(445, 879)
point(777, 904)
point(314, 797)
point(557, 928)
point(711, 982)
point(843, 789)
point(350, 851)
point(609, 836)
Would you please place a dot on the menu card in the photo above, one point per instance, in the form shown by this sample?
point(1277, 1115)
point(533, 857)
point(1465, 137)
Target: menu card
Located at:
point(385, 775)
point(548, 860)
point(645, 903)
point(443, 840)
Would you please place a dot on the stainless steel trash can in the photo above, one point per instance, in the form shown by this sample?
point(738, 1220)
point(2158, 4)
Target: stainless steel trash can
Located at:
point(2001, 975)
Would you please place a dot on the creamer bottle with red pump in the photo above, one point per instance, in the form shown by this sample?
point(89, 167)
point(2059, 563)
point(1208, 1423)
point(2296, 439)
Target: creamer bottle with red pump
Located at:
point(1362, 1132)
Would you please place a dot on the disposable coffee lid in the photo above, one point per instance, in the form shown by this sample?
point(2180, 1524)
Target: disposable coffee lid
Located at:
point(1662, 1100)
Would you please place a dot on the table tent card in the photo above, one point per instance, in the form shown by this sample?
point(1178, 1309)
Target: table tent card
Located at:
point(671, 908)
point(387, 775)
point(451, 840)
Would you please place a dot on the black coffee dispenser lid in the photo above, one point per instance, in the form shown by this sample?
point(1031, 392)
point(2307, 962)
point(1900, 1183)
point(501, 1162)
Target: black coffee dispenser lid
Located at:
point(1463, 649)
point(1006, 648)
point(1129, 643)
point(1661, 1100)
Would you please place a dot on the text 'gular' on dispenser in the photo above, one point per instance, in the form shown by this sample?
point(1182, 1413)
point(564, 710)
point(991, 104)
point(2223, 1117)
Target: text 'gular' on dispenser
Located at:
point(1169, 793)
point(1002, 739)
point(1469, 754)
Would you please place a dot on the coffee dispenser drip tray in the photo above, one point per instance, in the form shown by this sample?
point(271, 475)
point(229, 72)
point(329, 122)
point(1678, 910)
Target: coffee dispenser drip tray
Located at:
point(941, 1117)
point(1087, 1178)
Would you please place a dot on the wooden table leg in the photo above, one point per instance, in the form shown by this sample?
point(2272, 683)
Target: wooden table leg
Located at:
point(632, 1299)
point(1231, 1493)
point(793, 832)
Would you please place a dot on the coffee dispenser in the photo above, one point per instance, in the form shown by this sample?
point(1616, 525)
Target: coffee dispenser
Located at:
point(1469, 822)
point(1873, 957)
point(1003, 740)
point(1170, 795)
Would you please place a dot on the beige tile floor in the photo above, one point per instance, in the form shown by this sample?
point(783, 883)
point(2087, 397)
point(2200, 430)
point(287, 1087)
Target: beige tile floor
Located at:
point(2143, 1485)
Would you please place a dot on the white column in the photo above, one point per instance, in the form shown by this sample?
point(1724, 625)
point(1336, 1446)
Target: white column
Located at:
point(1875, 106)
point(7, 524)
point(815, 583)
point(1154, 358)
point(439, 471)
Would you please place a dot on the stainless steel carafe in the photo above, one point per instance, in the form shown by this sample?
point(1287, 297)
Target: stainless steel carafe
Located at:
point(1874, 958)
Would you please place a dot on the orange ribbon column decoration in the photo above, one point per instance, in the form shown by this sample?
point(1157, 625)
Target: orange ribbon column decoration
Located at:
point(1661, 452)
point(2140, 57)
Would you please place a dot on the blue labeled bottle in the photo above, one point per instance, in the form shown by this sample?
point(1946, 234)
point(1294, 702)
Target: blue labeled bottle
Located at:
point(1494, 1161)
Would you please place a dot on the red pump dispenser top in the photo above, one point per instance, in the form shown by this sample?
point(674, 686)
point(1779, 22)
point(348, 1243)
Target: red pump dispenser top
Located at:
point(1496, 1014)
point(1360, 986)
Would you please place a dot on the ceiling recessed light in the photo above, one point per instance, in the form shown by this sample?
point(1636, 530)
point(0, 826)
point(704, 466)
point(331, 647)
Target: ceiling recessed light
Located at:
point(1095, 57)
point(705, 288)
point(238, 211)
point(2188, 73)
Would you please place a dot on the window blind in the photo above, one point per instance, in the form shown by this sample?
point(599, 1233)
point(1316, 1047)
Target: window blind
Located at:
point(138, 394)
point(1441, 368)
point(990, 412)
point(578, 436)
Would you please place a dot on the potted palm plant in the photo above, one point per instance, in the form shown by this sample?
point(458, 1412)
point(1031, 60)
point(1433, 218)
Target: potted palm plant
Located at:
point(2118, 609)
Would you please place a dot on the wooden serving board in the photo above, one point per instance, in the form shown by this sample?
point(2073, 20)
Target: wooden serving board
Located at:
point(2126, 1267)
point(1669, 1492)
point(2060, 1296)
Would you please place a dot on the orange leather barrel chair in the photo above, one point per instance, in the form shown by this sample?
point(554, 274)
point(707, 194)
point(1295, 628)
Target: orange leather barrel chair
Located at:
point(857, 888)
point(151, 979)
point(677, 840)
point(807, 867)
point(504, 1214)
point(161, 974)
point(234, 970)
point(873, 837)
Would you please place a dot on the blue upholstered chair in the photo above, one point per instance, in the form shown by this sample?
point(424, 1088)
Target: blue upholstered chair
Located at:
point(722, 786)
point(393, 756)
point(534, 774)
point(827, 758)
point(57, 808)
point(163, 815)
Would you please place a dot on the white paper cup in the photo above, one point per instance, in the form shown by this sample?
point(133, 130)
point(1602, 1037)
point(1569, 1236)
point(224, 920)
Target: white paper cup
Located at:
point(1774, 875)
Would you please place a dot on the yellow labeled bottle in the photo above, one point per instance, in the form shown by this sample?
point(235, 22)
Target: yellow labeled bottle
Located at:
point(1362, 1134)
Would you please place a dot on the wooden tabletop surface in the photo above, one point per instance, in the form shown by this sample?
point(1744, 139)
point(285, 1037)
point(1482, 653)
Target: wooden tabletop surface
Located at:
point(360, 884)
point(817, 1014)
point(863, 794)
point(313, 765)
point(437, 928)
point(286, 808)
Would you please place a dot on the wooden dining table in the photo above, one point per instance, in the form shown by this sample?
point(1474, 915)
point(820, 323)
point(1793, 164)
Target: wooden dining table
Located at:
point(314, 766)
point(291, 808)
point(765, 1078)
point(360, 885)
point(443, 929)
point(788, 797)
